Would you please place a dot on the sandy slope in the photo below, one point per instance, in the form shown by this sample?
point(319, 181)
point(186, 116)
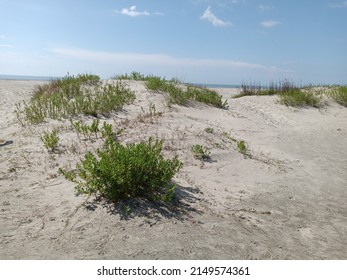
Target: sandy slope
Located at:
point(286, 201)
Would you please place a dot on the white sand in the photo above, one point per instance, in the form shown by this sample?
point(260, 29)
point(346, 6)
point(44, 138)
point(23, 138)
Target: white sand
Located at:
point(286, 202)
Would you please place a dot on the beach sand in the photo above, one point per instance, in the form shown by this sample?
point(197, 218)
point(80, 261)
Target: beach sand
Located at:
point(286, 200)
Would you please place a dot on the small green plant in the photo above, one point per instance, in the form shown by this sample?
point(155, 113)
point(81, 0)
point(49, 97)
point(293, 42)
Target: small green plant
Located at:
point(339, 94)
point(118, 172)
point(241, 147)
point(227, 135)
point(50, 140)
point(209, 130)
point(106, 130)
point(200, 152)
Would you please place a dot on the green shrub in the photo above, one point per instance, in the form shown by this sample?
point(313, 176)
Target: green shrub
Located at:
point(50, 140)
point(200, 152)
point(119, 172)
point(340, 95)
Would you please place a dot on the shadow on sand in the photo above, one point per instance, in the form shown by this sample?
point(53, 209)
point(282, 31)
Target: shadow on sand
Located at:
point(180, 208)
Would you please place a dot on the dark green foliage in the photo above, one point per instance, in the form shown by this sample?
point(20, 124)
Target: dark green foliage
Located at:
point(119, 172)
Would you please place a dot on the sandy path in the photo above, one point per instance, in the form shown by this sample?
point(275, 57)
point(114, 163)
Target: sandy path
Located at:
point(286, 201)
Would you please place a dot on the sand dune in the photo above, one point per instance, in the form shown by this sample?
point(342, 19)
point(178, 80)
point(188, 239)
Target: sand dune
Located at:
point(285, 200)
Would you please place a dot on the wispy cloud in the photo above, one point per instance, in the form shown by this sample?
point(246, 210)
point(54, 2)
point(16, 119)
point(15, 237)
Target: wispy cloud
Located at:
point(264, 8)
point(2, 37)
point(5, 46)
point(270, 23)
point(209, 16)
point(155, 59)
point(339, 5)
point(133, 12)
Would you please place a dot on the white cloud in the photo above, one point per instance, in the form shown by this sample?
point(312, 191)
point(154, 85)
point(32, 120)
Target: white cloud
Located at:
point(209, 16)
point(5, 46)
point(2, 37)
point(104, 63)
point(269, 23)
point(132, 12)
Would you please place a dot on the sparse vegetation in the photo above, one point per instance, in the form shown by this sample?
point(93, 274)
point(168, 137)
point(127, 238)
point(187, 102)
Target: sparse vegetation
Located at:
point(119, 172)
point(339, 94)
point(299, 98)
point(289, 94)
point(209, 130)
point(72, 96)
point(200, 152)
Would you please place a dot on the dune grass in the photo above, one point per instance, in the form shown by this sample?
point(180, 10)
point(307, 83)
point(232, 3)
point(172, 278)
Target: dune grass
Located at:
point(289, 94)
point(72, 96)
point(339, 94)
point(182, 95)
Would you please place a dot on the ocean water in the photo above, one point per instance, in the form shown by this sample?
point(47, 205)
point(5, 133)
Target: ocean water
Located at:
point(26, 78)
point(44, 78)
point(216, 85)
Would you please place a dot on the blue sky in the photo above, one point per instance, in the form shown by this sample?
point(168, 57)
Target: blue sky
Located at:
point(205, 41)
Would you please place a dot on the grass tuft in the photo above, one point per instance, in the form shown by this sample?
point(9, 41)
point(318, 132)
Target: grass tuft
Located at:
point(339, 94)
point(72, 96)
point(289, 94)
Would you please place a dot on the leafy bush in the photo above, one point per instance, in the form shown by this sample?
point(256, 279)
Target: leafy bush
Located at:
point(120, 172)
point(340, 95)
point(50, 140)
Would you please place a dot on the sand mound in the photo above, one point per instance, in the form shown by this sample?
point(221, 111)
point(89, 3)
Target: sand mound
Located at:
point(284, 199)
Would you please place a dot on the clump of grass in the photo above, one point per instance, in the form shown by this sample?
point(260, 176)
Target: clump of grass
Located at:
point(72, 96)
point(118, 172)
point(177, 95)
point(249, 89)
point(136, 76)
point(339, 94)
point(289, 94)
point(200, 152)
point(299, 98)
point(50, 140)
